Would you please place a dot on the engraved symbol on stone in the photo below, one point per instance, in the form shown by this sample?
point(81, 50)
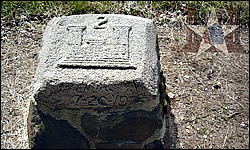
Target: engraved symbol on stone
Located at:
point(216, 35)
point(101, 24)
point(102, 100)
point(91, 100)
point(109, 50)
point(94, 45)
point(122, 101)
point(121, 42)
point(75, 33)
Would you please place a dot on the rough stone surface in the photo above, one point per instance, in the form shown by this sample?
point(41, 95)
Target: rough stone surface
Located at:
point(118, 146)
point(100, 73)
point(135, 126)
point(58, 134)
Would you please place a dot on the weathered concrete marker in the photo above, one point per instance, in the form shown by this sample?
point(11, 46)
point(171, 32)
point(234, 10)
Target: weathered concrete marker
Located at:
point(97, 84)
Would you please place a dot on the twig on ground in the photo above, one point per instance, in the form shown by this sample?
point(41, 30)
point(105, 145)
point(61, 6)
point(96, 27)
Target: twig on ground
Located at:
point(225, 138)
point(219, 73)
point(241, 105)
point(196, 77)
point(227, 95)
point(246, 82)
point(233, 114)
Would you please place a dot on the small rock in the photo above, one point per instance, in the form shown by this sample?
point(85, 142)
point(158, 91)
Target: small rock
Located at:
point(188, 127)
point(162, 15)
point(205, 136)
point(171, 95)
point(186, 76)
point(242, 125)
point(172, 19)
point(4, 38)
point(181, 144)
point(17, 57)
point(23, 31)
point(182, 118)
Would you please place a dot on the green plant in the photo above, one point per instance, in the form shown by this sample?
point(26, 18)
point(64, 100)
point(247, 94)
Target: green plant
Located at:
point(239, 135)
point(225, 110)
point(202, 131)
point(48, 9)
point(211, 122)
point(14, 113)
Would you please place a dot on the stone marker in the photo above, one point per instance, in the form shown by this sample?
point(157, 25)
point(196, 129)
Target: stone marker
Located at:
point(213, 37)
point(97, 84)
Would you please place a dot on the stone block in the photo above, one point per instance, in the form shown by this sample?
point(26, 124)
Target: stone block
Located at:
point(100, 74)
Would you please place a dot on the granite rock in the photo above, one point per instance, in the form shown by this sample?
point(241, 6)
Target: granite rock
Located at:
point(100, 74)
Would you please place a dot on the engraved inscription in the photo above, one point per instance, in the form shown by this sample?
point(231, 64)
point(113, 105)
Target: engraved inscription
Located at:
point(121, 42)
point(108, 49)
point(101, 23)
point(100, 97)
point(123, 101)
point(102, 101)
point(91, 100)
point(75, 34)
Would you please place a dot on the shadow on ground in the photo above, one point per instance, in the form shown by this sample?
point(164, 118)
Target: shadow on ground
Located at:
point(170, 139)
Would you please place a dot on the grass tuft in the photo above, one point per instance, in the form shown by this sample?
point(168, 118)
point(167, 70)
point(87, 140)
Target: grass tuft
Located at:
point(48, 9)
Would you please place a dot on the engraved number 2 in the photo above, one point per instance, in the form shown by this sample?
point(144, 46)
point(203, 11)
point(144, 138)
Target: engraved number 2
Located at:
point(101, 23)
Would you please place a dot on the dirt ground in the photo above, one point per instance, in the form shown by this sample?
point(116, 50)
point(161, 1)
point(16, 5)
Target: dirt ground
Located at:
point(209, 94)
